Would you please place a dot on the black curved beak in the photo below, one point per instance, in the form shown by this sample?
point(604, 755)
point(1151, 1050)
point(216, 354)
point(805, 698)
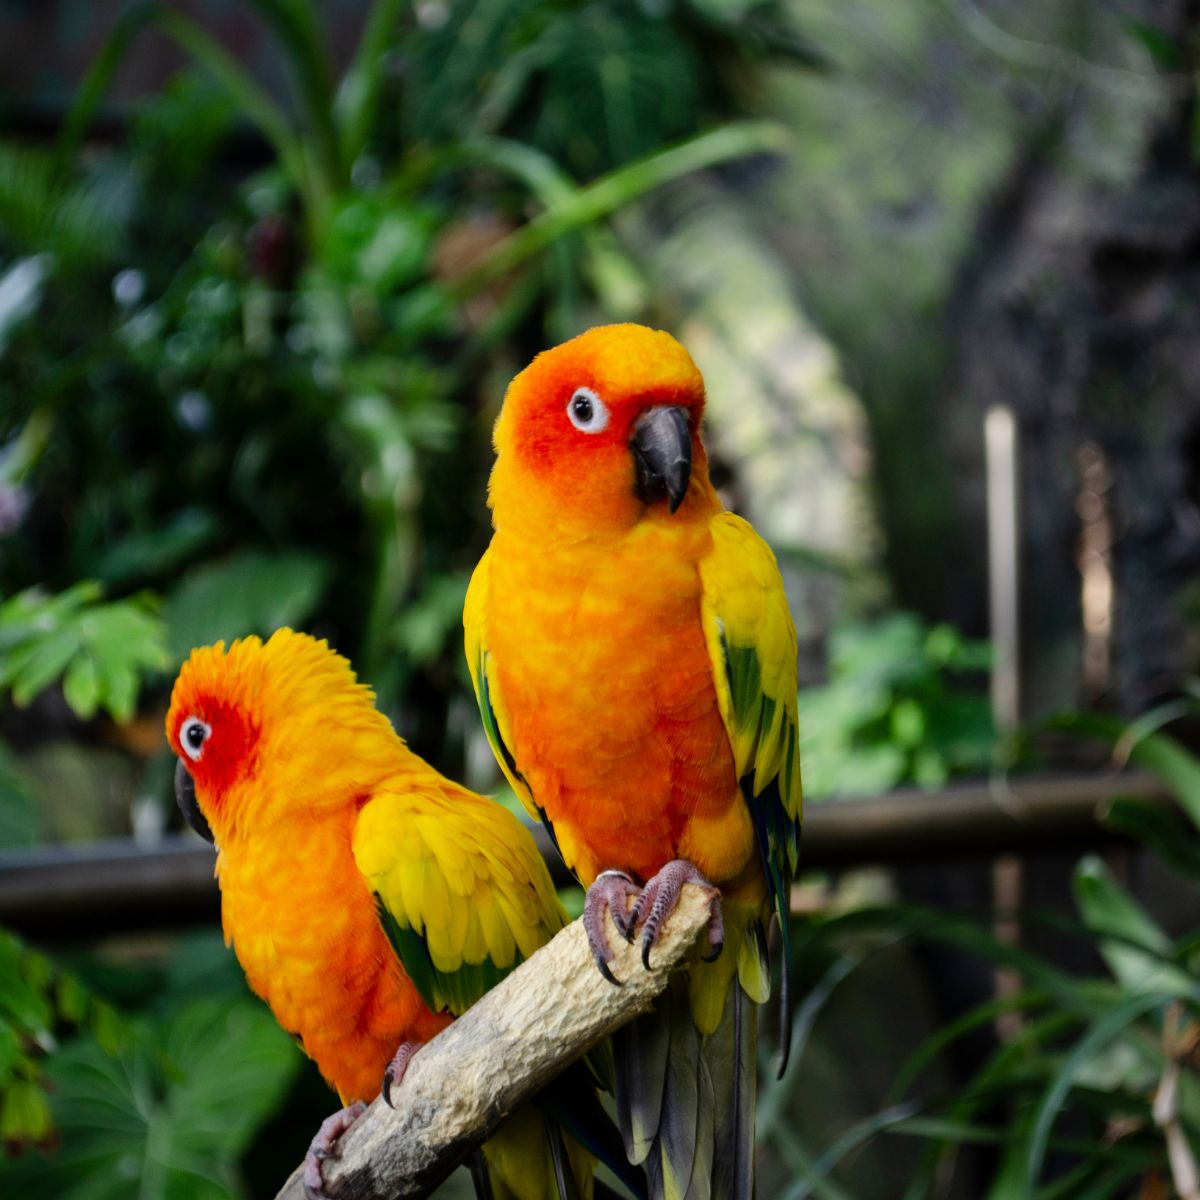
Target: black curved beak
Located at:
point(662, 455)
point(185, 797)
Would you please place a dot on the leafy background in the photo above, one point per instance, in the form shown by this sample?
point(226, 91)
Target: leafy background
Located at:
point(263, 277)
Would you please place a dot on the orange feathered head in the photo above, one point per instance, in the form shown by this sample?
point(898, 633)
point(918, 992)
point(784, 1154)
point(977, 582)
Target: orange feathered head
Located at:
point(600, 432)
point(263, 729)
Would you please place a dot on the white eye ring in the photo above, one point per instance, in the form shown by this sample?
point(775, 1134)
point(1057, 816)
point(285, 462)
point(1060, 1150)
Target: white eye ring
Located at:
point(587, 411)
point(193, 733)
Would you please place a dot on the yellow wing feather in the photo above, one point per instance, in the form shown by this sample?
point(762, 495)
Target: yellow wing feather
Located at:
point(460, 886)
point(752, 643)
point(491, 704)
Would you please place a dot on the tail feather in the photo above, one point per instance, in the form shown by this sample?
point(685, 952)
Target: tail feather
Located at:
point(563, 1178)
point(481, 1178)
point(679, 1142)
point(640, 1050)
point(573, 1105)
point(785, 1001)
point(686, 1099)
point(528, 1157)
point(701, 1184)
point(731, 1055)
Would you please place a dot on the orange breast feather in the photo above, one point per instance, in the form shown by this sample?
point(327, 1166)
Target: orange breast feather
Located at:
point(608, 704)
point(304, 928)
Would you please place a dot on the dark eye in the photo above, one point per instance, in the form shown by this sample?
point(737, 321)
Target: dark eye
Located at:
point(192, 735)
point(587, 411)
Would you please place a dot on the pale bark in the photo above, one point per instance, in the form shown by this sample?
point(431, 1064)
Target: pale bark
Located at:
point(547, 1013)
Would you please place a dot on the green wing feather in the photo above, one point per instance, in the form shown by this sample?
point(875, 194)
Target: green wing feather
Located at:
point(752, 643)
point(461, 890)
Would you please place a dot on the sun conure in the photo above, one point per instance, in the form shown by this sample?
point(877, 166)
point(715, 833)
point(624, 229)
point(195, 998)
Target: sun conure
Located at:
point(368, 898)
point(635, 665)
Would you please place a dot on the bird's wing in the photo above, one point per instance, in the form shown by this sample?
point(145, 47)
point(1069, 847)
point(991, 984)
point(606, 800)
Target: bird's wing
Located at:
point(487, 692)
point(460, 887)
point(752, 642)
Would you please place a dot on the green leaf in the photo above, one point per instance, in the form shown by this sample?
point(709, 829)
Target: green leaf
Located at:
point(249, 592)
point(1158, 43)
point(1130, 942)
point(1100, 1033)
point(24, 1114)
point(157, 551)
point(619, 188)
point(99, 76)
point(295, 25)
point(1141, 745)
point(358, 96)
point(169, 1115)
point(101, 649)
point(1160, 829)
point(81, 686)
point(20, 823)
point(256, 105)
point(39, 664)
point(979, 1016)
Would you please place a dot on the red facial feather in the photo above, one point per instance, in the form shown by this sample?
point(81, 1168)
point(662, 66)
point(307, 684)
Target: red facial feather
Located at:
point(557, 472)
point(229, 753)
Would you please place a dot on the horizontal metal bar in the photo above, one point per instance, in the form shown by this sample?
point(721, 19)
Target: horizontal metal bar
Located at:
point(80, 890)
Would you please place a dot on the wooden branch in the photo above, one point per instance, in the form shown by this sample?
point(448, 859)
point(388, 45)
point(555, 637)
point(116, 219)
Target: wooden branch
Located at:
point(462, 1084)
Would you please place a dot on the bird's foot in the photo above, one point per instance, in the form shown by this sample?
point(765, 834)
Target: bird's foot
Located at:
point(394, 1075)
point(610, 891)
point(658, 899)
point(324, 1146)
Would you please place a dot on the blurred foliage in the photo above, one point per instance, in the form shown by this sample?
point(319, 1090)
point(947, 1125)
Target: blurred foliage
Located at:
point(37, 1002)
point(249, 361)
point(258, 396)
point(902, 705)
point(165, 1103)
point(98, 650)
point(239, 395)
point(1094, 1092)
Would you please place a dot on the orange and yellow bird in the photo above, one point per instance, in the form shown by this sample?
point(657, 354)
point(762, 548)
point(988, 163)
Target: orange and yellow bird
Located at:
point(368, 898)
point(634, 661)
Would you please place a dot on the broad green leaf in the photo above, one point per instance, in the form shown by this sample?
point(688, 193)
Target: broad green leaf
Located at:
point(249, 592)
point(99, 649)
point(81, 686)
point(169, 1114)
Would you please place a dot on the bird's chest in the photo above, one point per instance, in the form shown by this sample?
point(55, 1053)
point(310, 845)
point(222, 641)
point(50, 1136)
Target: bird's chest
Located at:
point(304, 929)
point(610, 703)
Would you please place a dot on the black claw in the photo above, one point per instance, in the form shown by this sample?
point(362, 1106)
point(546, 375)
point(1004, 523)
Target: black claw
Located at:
point(647, 944)
point(715, 953)
point(387, 1088)
point(607, 973)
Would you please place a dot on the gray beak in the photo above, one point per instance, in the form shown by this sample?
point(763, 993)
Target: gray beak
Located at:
point(662, 455)
point(185, 797)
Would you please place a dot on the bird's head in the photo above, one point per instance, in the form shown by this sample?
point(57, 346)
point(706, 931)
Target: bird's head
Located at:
point(267, 728)
point(600, 433)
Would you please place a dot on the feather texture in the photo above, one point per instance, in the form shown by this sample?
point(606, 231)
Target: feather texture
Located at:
point(369, 899)
point(635, 669)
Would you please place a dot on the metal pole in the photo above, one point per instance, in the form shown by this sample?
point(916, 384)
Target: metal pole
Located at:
point(78, 891)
